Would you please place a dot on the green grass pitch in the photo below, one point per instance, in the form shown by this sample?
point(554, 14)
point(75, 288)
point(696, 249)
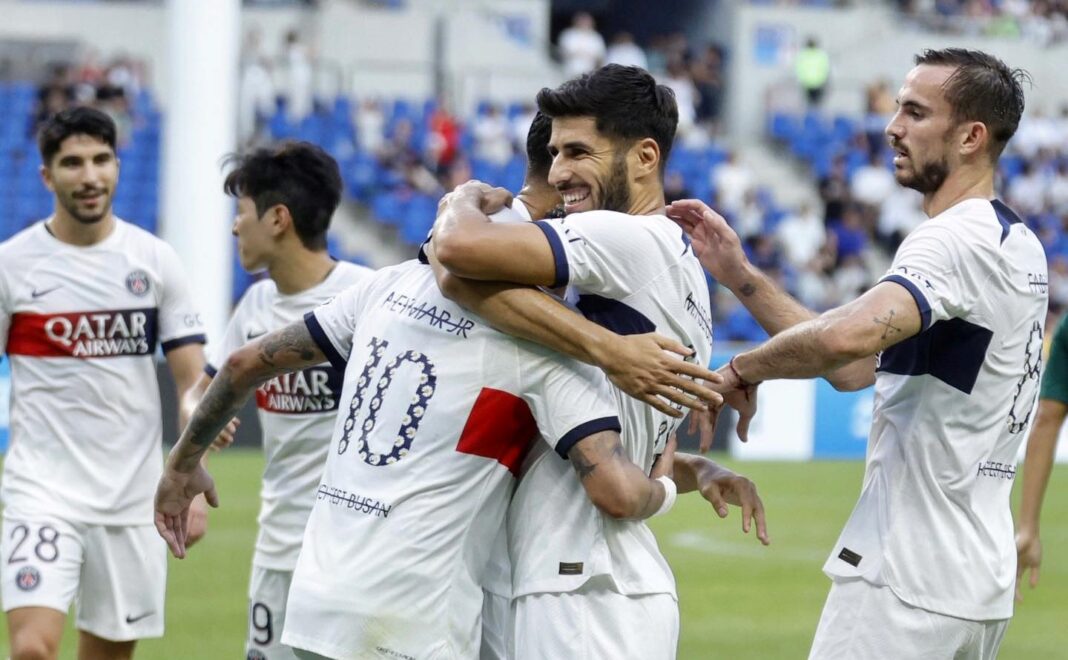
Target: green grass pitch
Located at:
point(739, 600)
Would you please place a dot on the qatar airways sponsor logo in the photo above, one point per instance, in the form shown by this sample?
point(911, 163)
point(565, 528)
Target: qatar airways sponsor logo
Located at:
point(100, 333)
point(312, 390)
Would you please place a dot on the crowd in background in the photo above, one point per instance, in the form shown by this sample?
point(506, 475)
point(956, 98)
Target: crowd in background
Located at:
point(1039, 22)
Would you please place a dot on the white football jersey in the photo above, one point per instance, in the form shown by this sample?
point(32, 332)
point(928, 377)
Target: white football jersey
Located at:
point(952, 405)
point(631, 274)
point(437, 411)
point(81, 326)
point(296, 412)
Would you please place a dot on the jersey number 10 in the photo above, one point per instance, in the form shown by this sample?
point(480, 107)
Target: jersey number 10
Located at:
point(413, 416)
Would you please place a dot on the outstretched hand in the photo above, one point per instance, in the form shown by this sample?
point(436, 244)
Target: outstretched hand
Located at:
point(716, 245)
point(726, 487)
point(651, 369)
point(1028, 558)
point(174, 496)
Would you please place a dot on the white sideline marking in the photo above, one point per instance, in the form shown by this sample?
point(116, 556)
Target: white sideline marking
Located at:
point(704, 542)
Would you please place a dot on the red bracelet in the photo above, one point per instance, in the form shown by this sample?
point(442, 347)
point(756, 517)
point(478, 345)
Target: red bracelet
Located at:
point(743, 383)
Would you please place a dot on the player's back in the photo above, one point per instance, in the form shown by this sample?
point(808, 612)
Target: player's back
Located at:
point(952, 405)
point(631, 274)
point(81, 326)
point(436, 409)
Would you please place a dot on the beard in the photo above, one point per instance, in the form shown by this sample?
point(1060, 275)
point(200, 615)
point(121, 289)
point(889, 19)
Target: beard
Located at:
point(617, 188)
point(70, 204)
point(928, 179)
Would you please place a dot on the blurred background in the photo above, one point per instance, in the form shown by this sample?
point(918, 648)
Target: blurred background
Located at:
point(782, 107)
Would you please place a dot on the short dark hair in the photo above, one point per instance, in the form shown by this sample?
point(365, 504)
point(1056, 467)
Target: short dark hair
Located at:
point(539, 160)
point(625, 101)
point(300, 176)
point(73, 121)
point(984, 89)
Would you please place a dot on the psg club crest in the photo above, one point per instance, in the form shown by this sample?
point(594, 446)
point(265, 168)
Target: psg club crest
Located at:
point(137, 283)
point(28, 578)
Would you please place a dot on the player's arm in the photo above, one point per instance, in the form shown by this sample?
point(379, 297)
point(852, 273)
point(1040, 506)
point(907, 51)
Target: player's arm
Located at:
point(615, 485)
point(719, 249)
point(721, 487)
point(636, 364)
point(469, 244)
point(289, 349)
point(1038, 464)
point(885, 315)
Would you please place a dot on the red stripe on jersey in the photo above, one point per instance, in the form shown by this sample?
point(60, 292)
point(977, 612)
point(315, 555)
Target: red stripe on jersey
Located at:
point(94, 334)
point(501, 427)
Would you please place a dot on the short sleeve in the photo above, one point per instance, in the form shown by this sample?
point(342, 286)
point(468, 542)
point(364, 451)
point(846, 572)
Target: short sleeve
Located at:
point(1055, 378)
point(569, 400)
point(929, 265)
point(179, 321)
point(233, 339)
point(333, 324)
point(611, 254)
point(5, 314)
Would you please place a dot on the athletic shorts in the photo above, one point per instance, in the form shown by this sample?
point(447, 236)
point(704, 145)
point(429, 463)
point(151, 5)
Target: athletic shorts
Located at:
point(116, 576)
point(496, 627)
point(595, 623)
point(267, 594)
point(862, 621)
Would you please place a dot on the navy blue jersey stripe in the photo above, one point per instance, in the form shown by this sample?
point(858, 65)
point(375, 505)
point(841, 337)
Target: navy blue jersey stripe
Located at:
point(320, 338)
point(618, 317)
point(952, 351)
point(584, 430)
point(563, 274)
point(172, 344)
point(917, 295)
point(1006, 216)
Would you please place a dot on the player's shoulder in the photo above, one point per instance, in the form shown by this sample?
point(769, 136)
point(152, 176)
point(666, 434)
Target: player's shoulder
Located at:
point(349, 273)
point(624, 224)
point(134, 239)
point(17, 244)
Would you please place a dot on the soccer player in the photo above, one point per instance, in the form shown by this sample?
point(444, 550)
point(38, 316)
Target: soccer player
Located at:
point(437, 411)
point(952, 339)
point(1041, 449)
point(286, 196)
point(85, 300)
point(587, 585)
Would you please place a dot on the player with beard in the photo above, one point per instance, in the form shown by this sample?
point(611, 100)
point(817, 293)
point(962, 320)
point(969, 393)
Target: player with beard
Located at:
point(85, 299)
point(586, 585)
point(952, 339)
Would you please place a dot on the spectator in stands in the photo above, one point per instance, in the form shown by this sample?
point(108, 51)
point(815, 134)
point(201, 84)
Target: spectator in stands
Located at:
point(298, 88)
point(54, 95)
point(1027, 192)
point(1057, 191)
point(748, 218)
point(625, 52)
point(400, 157)
point(256, 93)
point(493, 136)
point(581, 46)
point(125, 73)
point(901, 212)
point(88, 76)
point(834, 191)
point(802, 236)
point(707, 73)
point(370, 127)
point(675, 187)
point(872, 184)
point(813, 68)
point(850, 236)
point(521, 126)
point(686, 96)
point(732, 180)
point(113, 102)
point(444, 147)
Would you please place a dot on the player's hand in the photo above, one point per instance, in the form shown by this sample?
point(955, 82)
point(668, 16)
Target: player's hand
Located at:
point(198, 521)
point(1028, 557)
point(490, 199)
point(742, 399)
point(724, 487)
point(174, 497)
point(716, 245)
point(665, 463)
point(226, 436)
point(650, 368)
point(703, 424)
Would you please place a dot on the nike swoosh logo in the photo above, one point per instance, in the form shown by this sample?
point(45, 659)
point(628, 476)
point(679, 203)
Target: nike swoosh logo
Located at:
point(37, 294)
point(135, 619)
point(254, 335)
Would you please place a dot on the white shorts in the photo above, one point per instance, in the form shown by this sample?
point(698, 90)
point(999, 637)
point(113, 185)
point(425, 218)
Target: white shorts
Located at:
point(268, 591)
point(862, 621)
point(115, 575)
point(496, 627)
point(595, 623)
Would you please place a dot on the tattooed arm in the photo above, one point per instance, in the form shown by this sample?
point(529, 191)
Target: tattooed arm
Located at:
point(184, 477)
point(882, 317)
point(616, 486)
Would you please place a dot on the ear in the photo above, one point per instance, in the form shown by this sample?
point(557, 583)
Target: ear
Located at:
point(279, 220)
point(46, 177)
point(646, 155)
point(973, 138)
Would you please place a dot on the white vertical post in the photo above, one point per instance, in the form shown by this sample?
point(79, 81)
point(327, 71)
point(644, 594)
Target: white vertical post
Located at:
point(200, 121)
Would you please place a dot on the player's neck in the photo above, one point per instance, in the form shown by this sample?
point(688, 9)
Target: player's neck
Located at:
point(68, 230)
point(300, 270)
point(965, 182)
point(648, 201)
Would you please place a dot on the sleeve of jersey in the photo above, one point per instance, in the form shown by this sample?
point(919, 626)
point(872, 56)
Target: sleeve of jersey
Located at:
point(601, 252)
point(179, 321)
point(1055, 378)
point(5, 316)
point(569, 400)
point(928, 265)
point(333, 324)
point(232, 339)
